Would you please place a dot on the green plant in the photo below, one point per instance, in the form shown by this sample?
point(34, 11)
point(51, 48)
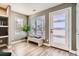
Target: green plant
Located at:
point(25, 28)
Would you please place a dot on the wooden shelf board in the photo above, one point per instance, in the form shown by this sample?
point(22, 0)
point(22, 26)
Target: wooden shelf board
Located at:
point(4, 16)
point(3, 36)
point(3, 26)
point(1, 45)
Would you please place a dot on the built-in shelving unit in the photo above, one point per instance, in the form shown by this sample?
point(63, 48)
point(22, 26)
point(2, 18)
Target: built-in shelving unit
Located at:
point(4, 24)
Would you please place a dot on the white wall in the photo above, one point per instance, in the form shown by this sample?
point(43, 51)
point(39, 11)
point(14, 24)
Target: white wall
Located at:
point(77, 25)
point(18, 35)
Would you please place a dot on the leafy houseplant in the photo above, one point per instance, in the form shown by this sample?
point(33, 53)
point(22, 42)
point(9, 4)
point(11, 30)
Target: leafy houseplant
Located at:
point(25, 28)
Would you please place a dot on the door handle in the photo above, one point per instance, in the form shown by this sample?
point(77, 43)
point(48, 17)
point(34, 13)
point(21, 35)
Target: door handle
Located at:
point(77, 34)
point(51, 30)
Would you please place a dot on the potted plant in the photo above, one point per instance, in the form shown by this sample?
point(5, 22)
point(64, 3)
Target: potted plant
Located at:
point(25, 28)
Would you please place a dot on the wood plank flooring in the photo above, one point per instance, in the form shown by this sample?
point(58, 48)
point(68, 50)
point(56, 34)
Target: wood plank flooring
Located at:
point(31, 49)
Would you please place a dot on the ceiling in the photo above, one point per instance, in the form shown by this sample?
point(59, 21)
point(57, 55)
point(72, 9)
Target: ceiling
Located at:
point(31, 8)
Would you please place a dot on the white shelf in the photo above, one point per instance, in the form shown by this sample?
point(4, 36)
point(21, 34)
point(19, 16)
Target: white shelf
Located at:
point(1, 45)
point(3, 26)
point(3, 36)
point(3, 16)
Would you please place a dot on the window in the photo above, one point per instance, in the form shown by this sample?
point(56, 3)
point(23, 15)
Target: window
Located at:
point(18, 24)
point(37, 26)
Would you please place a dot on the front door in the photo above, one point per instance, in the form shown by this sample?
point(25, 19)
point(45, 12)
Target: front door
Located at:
point(59, 28)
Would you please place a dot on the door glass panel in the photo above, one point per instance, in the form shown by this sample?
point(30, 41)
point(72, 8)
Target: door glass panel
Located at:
point(59, 32)
point(58, 17)
point(58, 26)
point(58, 40)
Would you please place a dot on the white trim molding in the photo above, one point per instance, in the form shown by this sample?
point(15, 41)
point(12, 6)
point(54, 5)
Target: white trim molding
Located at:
point(46, 44)
point(78, 52)
point(72, 51)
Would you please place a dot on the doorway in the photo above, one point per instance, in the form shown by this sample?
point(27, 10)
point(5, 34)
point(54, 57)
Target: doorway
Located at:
point(59, 28)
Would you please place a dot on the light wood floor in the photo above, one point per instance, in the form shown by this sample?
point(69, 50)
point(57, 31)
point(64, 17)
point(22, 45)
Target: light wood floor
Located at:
point(31, 49)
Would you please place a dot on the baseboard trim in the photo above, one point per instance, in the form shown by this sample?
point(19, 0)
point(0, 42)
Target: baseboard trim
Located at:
point(17, 41)
point(72, 51)
point(78, 52)
point(46, 44)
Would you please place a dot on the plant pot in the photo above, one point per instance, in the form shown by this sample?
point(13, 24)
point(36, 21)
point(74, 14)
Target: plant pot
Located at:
point(26, 37)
